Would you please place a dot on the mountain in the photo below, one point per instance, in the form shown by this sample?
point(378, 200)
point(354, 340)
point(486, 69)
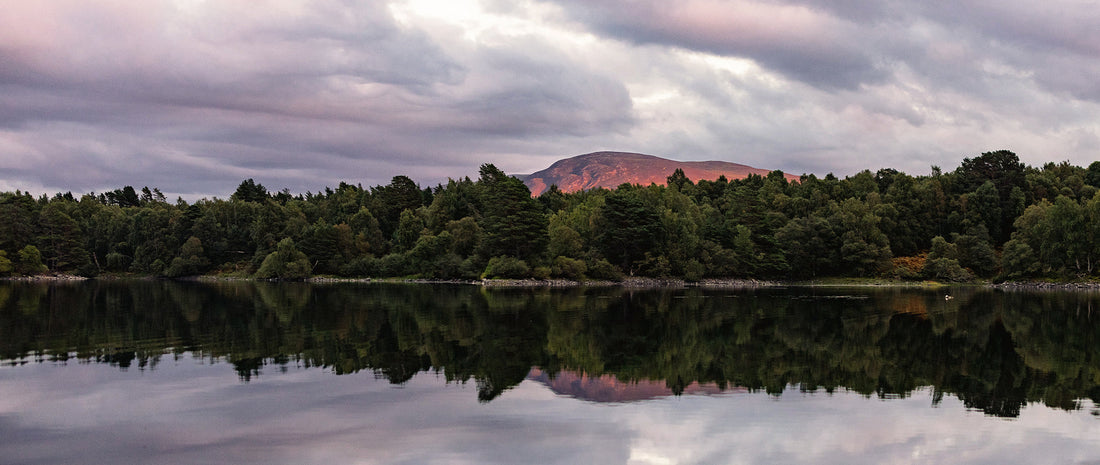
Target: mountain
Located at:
point(610, 169)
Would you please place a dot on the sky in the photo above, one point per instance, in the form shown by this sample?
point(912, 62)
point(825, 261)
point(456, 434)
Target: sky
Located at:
point(194, 96)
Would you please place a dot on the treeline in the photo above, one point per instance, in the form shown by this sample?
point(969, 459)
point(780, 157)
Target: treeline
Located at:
point(992, 217)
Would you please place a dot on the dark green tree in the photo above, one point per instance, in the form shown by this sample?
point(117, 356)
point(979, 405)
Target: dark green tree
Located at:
point(1004, 170)
point(679, 181)
point(810, 245)
point(61, 240)
point(250, 191)
point(29, 261)
point(514, 223)
point(1018, 260)
point(6, 266)
point(982, 207)
point(975, 252)
point(286, 263)
point(17, 229)
point(389, 201)
point(1092, 175)
point(321, 243)
point(191, 260)
point(409, 229)
point(630, 228)
point(553, 199)
point(125, 197)
point(943, 262)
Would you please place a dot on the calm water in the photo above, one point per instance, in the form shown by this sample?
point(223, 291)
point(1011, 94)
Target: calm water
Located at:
point(160, 372)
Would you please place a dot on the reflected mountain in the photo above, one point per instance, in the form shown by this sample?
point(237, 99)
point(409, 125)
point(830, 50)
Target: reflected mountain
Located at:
point(995, 351)
point(608, 388)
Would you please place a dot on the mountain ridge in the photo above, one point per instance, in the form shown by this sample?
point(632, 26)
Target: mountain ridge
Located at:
point(610, 169)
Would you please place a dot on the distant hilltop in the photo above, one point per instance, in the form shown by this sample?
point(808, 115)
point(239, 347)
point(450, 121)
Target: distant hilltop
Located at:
point(611, 169)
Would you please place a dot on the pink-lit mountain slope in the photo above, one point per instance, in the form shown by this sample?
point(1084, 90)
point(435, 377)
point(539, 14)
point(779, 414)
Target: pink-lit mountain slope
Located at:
point(610, 169)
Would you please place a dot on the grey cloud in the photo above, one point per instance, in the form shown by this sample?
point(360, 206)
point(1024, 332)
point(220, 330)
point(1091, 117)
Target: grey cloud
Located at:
point(1070, 26)
point(301, 99)
point(800, 42)
point(538, 92)
point(1054, 44)
point(246, 65)
point(843, 44)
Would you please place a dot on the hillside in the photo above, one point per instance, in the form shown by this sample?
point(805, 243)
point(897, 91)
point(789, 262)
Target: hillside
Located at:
point(611, 169)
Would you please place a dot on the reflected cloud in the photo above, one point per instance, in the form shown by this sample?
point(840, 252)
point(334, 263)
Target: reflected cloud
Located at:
point(194, 412)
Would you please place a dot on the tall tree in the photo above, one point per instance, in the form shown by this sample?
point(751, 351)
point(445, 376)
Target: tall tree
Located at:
point(514, 223)
point(631, 228)
point(250, 191)
point(61, 240)
point(389, 201)
point(18, 211)
point(1004, 170)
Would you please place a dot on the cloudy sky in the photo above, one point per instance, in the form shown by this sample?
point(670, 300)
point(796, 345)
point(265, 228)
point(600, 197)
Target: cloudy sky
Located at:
point(193, 96)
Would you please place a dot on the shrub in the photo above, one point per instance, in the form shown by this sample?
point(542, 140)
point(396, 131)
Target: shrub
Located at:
point(6, 265)
point(117, 262)
point(394, 264)
point(908, 267)
point(693, 270)
point(603, 269)
point(286, 262)
point(568, 268)
point(181, 267)
point(29, 261)
point(1018, 260)
point(541, 272)
point(157, 267)
point(506, 267)
point(190, 262)
point(471, 268)
point(362, 267)
point(447, 266)
point(946, 269)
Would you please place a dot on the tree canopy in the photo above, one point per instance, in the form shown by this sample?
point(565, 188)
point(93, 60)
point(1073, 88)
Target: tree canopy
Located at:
point(1003, 219)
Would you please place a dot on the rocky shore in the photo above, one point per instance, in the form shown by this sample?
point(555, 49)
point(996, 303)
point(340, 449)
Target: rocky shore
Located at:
point(630, 282)
point(633, 282)
point(45, 277)
point(1040, 285)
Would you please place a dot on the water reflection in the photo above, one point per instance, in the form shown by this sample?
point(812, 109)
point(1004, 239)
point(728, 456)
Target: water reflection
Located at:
point(608, 388)
point(993, 351)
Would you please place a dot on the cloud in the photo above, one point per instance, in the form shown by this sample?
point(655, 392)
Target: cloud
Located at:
point(293, 93)
point(193, 96)
point(795, 40)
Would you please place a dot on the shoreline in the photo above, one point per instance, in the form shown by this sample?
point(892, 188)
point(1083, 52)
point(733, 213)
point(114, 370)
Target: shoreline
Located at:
point(46, 277)
point(1049, 286)
point(631, 282)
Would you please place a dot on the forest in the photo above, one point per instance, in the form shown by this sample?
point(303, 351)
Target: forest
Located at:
point(992, 218)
